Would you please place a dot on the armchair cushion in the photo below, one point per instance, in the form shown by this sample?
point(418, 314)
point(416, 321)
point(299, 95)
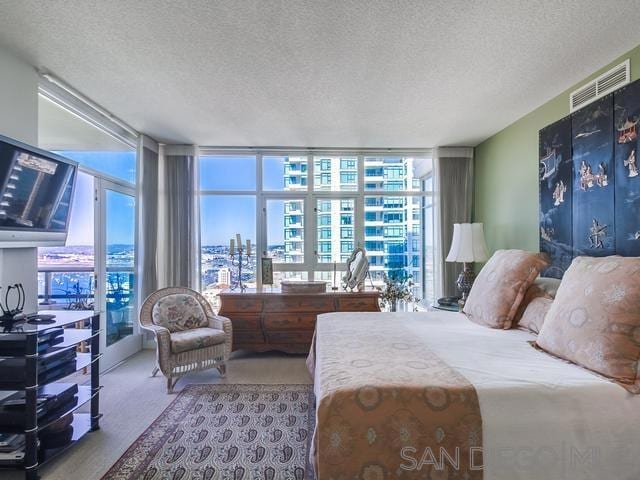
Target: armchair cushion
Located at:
point(179, 312)
point(196, 338)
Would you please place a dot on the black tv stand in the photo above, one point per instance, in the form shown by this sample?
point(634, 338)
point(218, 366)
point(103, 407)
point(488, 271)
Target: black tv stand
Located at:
point(80, 328)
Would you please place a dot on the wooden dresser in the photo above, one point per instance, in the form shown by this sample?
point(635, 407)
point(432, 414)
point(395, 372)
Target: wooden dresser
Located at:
point(270, 320)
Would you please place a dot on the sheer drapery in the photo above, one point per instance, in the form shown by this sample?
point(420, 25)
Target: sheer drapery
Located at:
point(181, 216)
point(147, 195)
point(453, 197)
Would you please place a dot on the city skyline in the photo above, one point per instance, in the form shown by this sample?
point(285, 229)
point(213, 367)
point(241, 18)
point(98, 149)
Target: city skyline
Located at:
point(393, 225)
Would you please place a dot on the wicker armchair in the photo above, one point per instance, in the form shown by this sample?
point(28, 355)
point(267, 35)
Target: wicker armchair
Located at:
point(189, 336)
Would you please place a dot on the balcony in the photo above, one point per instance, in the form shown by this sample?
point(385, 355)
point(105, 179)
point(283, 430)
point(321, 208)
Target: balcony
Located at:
point(293, 208)
point(373, 208)
point(64, 288)
point(60, 287)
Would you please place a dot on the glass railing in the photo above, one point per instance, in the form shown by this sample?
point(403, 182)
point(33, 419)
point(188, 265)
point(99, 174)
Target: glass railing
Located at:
point(60, 287)
point(74, 289)
point(121, 305)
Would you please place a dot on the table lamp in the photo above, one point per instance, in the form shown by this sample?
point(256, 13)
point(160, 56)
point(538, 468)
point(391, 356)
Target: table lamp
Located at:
point(468, 246)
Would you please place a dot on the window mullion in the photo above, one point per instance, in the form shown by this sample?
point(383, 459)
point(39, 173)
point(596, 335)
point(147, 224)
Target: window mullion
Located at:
point(261, 246)
point(359, 205)
point(311, 217)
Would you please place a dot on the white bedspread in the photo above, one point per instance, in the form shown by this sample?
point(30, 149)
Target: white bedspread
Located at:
point(542, 418)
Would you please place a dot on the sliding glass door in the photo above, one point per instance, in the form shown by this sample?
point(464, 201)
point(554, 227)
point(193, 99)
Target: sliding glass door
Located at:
point(115, 271)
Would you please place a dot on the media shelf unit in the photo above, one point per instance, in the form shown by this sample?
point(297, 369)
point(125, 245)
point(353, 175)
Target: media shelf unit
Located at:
point(80, 327)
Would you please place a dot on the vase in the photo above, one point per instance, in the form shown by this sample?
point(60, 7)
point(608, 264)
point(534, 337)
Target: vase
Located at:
point(393, 306)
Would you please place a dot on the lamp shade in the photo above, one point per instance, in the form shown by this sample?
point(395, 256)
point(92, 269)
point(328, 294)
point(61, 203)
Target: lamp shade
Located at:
point(468, 243)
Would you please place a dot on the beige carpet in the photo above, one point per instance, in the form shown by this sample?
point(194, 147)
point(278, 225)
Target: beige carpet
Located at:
point(131, 400)
point(225, 431)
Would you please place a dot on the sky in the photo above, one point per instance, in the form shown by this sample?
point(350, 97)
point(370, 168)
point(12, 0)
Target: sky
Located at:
point(120, 208)
point(221, 216)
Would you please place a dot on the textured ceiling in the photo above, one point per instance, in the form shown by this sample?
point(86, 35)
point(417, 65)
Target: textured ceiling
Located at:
point(367, 73)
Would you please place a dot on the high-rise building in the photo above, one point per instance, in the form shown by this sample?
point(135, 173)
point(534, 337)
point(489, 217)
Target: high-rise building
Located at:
point(392, 222)
point(224, 276)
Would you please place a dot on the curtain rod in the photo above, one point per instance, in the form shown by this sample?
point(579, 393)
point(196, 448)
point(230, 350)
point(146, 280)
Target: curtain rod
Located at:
point(353, 150)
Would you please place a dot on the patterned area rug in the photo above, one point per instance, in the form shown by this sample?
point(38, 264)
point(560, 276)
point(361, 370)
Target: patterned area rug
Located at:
point(220, 432)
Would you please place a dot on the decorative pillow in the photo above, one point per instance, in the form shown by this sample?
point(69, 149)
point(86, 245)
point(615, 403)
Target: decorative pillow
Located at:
point(533, 317)
point(547, 285)
point(501, 285)
point(541, 294)
point(179, 312)
point(595, 319)
point(540, 288)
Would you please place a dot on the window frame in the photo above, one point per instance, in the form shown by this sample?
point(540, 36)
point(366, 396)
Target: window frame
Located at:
point(310, 197)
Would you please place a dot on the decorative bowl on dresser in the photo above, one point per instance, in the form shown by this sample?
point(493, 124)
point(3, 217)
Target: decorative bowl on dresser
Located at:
point(267, 319)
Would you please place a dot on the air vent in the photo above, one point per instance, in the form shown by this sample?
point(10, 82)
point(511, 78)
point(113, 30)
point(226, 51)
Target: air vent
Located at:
point(606, 83)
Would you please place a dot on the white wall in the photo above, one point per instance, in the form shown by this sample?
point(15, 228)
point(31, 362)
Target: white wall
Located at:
point(19, 120)
point(18, 99)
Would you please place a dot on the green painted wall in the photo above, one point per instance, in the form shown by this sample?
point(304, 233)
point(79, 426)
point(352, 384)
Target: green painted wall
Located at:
point(506, 171)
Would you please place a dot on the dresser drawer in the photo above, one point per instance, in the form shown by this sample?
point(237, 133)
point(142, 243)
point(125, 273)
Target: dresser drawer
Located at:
point(289, 321)
point(300, 303)
point(358, 304)
point(247, 336)
point(237, 303)
point(304, 337)
point(250, 321)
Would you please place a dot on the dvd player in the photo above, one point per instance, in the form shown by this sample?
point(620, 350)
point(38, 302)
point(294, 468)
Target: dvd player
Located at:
point(51, 366)
point(15, 344)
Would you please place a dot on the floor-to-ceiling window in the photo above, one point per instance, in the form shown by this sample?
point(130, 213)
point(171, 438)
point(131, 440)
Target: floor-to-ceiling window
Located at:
point(307, 212)
point(96, 267)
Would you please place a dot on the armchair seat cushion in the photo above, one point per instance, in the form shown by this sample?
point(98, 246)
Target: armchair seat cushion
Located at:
point(196, 338)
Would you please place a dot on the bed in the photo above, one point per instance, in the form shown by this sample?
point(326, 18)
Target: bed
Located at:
point(433, 395)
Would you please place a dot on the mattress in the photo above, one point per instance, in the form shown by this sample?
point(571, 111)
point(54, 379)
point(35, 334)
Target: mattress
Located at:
point(542, 418)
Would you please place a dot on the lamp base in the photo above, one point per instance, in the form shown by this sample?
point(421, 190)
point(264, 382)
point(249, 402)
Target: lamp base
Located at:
point(465, 280)
point(448, 301)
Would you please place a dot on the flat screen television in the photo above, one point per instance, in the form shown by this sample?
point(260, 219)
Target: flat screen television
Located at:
point(36, 190)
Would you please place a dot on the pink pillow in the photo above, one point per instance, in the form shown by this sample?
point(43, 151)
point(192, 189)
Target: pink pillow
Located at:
point(501, 285)
point(536, 303)
point(533, 317)
point(595, 318)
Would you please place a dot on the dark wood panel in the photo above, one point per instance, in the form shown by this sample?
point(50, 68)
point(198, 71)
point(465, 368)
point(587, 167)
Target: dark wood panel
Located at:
point(245, 321)
point(247, 336)
point(241, 303)
point(299, 303)
point(303, 336)
point(358, 304)
point(289, 321)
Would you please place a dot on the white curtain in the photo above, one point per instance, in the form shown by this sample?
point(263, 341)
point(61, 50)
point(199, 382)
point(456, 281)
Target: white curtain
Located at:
point(453, 201)
point(147, 197)
point(180, 216)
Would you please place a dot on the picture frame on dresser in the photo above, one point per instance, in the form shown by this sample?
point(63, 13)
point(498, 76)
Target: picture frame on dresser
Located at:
point(267, 270)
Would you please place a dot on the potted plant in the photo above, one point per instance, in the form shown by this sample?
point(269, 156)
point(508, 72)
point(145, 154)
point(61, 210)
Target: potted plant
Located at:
point(398, 286)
